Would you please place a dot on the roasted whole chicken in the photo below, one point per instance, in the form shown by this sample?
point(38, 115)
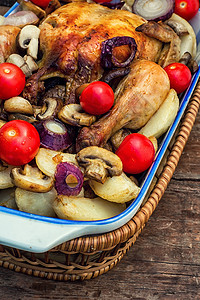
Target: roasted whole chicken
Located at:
point(71, 38)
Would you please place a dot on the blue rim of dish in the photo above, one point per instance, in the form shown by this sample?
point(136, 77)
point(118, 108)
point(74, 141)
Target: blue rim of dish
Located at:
point(11, 9)
point(147, 181)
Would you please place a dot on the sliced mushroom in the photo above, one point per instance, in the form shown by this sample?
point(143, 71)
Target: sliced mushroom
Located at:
point(35, 203)
point(31, 179)
point(18, 60)
point(30, 63)
point(73, 114)
point(29, 39)
point(85, 209)
point(99, 163)
point(187, 60)
point(18, 105)
point(193, 66)
point(118, 189)
point(164, 33)
point(178, 27)
point(19, 116)
point(50, 108)
point(47, 160)
point(188, 41)
point(5, 179)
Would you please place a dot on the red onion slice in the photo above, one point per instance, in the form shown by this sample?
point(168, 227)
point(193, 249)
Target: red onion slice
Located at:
point(54, 134)
point(154, 10)
point(64, 170)
point(108, 60)
point(113, 4)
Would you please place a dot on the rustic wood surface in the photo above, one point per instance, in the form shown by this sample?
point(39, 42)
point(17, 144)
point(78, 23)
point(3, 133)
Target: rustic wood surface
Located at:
point(164, 263)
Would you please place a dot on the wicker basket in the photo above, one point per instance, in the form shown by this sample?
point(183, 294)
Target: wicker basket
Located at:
point(88, 257)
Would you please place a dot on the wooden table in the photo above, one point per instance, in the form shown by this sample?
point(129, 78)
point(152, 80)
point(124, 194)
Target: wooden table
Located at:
point(164, 263)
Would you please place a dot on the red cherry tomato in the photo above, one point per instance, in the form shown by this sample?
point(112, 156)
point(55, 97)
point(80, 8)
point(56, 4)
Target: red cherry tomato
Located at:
point(12, 81)
point(97, 98)
point(179, 76)
point(41, 3)
point(186, 9)
point(19, 142)
point(136, 153)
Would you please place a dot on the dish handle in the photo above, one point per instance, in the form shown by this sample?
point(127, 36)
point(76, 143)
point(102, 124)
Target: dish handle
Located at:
point(33, 235)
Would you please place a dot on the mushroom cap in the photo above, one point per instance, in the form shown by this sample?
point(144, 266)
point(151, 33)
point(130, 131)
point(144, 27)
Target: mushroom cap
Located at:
point(50, 109)
point(28, 33)
point(99, 163)
point(18, 105)
point(73, 114)
point(28, 39)
point(31, 179)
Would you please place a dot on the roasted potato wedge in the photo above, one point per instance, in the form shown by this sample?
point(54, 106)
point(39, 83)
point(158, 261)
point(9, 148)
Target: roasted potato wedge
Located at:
point(163, 118)
point(47, 160)
point(85, 209)
point(35, 203)
point(119, 189)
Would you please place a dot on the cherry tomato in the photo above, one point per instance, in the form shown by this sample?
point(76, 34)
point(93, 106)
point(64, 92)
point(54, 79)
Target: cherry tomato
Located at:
point(179, 76)
point(12, 81)
point(41, 3)
point(136, 153)
point(19, 142)
point(97, 98)
point(186, 9)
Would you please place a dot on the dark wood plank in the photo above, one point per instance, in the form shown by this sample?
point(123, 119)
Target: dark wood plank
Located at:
point(164, 263)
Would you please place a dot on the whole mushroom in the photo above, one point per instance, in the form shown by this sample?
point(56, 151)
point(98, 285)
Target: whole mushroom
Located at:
point(99, 163)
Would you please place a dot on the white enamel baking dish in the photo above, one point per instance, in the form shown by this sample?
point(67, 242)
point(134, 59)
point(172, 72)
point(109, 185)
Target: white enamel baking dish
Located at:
point(39, 234)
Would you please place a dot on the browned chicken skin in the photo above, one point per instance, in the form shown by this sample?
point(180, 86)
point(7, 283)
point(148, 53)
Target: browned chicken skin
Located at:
point(140, 95)
point(8, 36)
point(71, 40)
